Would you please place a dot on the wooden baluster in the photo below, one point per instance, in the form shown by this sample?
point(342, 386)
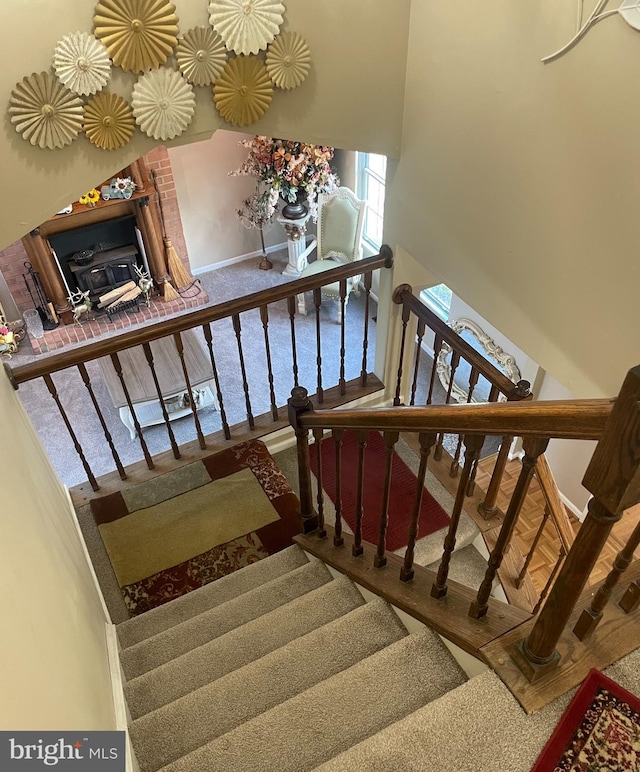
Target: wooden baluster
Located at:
point(206, 329)
point(426, 443)
point(549, 583)
point(437, 346)
point(297, 405)
point(358, 549)
point(172, 439)
point(416, 364)
point(455, 463)
point(187, 381)
point(54, 393)
point(533, 447)
point(291, 305)
point(365, 333)
point(343, 294)
point(473, 444)
point(590, 618)
point(532, 549)
point(247, 400)
point(115, 360)
point(380, 559)
point(488, 507)
point(317, 436)
point(338, 436)
point(264, 318)
point(455, 360)
point(317, 302)
point(613, 477)
point(107, 434)
point(405, 320)
point(631, 599)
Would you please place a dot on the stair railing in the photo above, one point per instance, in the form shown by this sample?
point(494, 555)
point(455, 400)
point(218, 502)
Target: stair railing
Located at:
point(613, 477)
point(556, 512)
point(274, 418)
point(417, 319)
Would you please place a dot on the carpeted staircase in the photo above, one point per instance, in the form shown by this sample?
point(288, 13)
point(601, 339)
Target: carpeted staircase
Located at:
point(278, 666)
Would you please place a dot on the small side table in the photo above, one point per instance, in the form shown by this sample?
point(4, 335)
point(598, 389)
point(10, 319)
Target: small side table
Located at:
point(296, 244)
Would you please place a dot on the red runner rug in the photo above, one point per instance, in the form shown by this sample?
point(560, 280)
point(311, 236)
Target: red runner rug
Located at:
point(209, 562)
point(600, 730)
point(403, 487)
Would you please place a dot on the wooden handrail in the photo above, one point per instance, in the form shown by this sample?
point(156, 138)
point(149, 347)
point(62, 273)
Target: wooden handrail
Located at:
point(557, 510)
point(203, 315)
point(577, 419)
point(495, 376)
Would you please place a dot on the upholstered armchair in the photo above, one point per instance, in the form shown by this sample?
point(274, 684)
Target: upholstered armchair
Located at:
point(340, 225)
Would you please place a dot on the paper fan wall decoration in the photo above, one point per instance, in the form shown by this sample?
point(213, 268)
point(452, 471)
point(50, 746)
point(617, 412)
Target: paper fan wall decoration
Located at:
point(108, 121)
point(138, 34)
point(201, 55)
point(82, 63)
point(288, 60)
point(244, 91)
point(163, 103)
point(45, 112)
point(246, 26)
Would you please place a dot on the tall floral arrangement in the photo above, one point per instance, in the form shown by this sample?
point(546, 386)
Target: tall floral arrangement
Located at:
point(290, 167)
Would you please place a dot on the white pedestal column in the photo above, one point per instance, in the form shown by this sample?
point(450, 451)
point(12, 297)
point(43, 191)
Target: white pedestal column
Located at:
point(296, 244)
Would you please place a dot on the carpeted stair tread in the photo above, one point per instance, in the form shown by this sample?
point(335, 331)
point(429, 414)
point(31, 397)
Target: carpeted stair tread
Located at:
point(238, 647)
point(213, 594)
point(177, 640)
point(478, 726)
point(192, 721)
point(330, 717)
point(429, 548)
point(467, 567)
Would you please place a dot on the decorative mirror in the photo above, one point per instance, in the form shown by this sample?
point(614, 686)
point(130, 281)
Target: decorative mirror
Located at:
point(475, 336)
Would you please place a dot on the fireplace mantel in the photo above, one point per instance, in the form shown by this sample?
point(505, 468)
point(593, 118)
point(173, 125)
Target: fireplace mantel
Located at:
point(142, 205)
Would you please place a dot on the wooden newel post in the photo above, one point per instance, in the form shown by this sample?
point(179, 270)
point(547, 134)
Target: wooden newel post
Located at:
point(613, 477)
point(298, 404)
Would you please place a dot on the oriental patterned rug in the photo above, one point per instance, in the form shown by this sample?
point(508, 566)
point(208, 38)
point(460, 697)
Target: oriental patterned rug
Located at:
point(403, 486)
point(599, 731)
point(179, 531)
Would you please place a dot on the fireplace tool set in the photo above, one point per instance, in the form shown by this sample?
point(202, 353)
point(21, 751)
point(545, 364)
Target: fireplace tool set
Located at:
point(43, 305)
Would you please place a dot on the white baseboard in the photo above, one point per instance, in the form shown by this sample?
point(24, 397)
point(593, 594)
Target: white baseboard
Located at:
point(580, 514)
point(238, 259)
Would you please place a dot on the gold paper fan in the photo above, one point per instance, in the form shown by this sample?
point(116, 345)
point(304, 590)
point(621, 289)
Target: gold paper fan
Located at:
point(243, 92)
point(288, 60)
point(45, 112)
point(82, 63)
point(246, 26)
point(163, 103)
point(139, 34)
point(108, 121)
point(201, 55)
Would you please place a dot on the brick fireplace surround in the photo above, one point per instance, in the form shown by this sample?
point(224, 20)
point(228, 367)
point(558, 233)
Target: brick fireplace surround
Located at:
point(12, 261)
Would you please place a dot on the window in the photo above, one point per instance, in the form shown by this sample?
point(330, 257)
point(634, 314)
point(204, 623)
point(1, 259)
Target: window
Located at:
point(372, 171)
point(438, 299)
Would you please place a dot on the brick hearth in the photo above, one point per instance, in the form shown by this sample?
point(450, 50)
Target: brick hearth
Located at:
point(100, 326)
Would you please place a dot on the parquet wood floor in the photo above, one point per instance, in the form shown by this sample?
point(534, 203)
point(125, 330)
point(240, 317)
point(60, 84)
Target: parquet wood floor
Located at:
point(548, 548)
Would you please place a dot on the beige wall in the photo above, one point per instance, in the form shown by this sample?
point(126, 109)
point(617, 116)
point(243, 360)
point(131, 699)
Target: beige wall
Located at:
point(352, 97)
point(208, 200)
point(53, 671)
point(518, 183)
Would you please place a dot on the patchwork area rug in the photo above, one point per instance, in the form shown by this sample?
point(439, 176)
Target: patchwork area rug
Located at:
point(175, 533)
point(599, 731)
point(403, 486)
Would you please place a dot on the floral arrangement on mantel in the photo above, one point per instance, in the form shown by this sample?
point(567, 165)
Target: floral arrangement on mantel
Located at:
point(290, 168)
point(90, 198)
